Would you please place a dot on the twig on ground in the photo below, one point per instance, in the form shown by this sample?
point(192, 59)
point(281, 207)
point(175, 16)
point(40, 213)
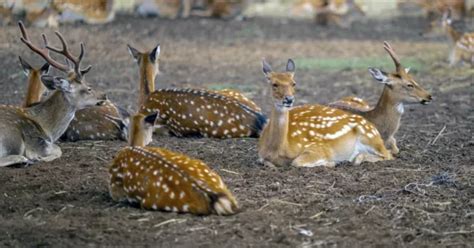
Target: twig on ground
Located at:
point(439, 134)
point(170, 221)
point(231, 172)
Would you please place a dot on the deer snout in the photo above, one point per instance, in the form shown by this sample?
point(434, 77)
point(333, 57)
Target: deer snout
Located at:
point(101, 98)
point(288, 101)
point(427, 99)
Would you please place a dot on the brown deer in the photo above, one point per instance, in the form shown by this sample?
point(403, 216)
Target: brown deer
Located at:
point(399, 88)
point(462, 43)
point(193, 112)
point(159, 179)
point(91, 12)
point(27, 135)
point(313, 135)
point(35, 87)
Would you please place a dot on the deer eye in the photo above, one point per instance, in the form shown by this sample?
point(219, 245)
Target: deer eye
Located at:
point(274, 85)
point(294, 84)
point(410, 86)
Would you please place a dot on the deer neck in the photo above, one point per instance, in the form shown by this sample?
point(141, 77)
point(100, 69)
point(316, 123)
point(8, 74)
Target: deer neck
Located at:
point(147, 83)
point(53, 115)
point(277, 136)
point(386, 114)
point(453, 34)
point(35, 89)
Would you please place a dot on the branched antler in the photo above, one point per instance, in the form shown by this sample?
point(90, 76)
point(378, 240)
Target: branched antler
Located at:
point(44, 52)
point(395, 58)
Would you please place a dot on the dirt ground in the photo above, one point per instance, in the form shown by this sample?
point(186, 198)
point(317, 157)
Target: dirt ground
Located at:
point(423, 198)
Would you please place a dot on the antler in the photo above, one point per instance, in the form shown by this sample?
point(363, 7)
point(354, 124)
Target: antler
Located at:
point(394, 56)
point(44, 52)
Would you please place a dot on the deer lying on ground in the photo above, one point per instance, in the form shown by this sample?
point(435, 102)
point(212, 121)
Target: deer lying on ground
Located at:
point(101, 122)
point(27, 135)
point(35, 88)
point(313, 135)
point(159, 179)
point(339, 12)
point(49, 13)
point(399, 88)
point(185, 8)
point(192, 112)
point(436, 8)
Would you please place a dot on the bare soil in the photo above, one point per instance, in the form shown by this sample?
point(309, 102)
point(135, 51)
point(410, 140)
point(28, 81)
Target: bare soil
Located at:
point(423, 198)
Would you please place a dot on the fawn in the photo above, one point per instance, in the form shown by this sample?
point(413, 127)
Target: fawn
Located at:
point(159, 179)
point(313, 135)
point(28, 134)
point(193, 112)
point(399, 88)
point(35, 87)
point(462, 43)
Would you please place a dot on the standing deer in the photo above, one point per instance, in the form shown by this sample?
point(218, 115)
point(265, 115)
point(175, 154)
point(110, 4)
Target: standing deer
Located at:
point(462, 43)
point(27, 135)
point(399, 88)
point(313, 135)
point(35, 87)
point(159, 179)
point(191, 112)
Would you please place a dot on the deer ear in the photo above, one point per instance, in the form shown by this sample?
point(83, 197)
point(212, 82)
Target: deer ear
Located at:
point(290, 66)
point(56, 83)
point(45, 69)
point(379, 75)
point(86, 70)
point(150, 119)
point(267, 69)
point(155, 54)
point(25, 66)
point(407, 70)
point(134, 52)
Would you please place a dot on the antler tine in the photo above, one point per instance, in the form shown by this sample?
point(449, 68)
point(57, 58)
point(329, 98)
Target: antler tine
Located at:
point(391, 52)
point(69, 56)
point(43, 52)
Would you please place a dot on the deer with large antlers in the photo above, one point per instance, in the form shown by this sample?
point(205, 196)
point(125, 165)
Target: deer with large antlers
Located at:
point(159, 179)
point(399, 88)
point(28, 134)
point(193, 112)
point(313, 135)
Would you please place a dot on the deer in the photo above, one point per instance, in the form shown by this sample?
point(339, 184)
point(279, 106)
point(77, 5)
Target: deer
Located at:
point(313, 135)
point(436, 8)
point(195, 112)
point(400, 88)
point(35, 88)
point(6, 13)
point(91, 12)
point(340, 12)
point(160, 179)
point(27, 135)
point(462, 43)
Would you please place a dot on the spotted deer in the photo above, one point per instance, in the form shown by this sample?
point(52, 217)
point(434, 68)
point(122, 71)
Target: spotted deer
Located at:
point(35, 88)
point(313, 135)
point(6, 12)
point(436, 8)
point(339, 12)
point(462, 43)
point(221, 8)
point(160, 179)
point(400, 88)
point(91, 12)
point(194, 112)
point(28, 135)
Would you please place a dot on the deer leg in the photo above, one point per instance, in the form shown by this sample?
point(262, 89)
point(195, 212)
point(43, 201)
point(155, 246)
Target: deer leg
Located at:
point(187, 6)
point(55, 152)
point(453, 58)
point(378, 151)
point(392, 144)
point(14, 159)
point(315, 156)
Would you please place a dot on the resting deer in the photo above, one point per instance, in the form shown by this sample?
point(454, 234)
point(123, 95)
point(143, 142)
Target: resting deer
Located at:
point(191, 112)
point(159, 179)
point(91, 12)
point(399, 88)
point(28, 134)
point(313, 135)
point(35, 87)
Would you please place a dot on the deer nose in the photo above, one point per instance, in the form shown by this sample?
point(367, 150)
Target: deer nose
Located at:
point(288, 100)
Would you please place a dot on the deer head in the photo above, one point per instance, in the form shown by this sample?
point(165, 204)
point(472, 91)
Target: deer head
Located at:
point(74, 87)
point(282, 84)
point(148, 62)
point(401, 84)
point(141, 129)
